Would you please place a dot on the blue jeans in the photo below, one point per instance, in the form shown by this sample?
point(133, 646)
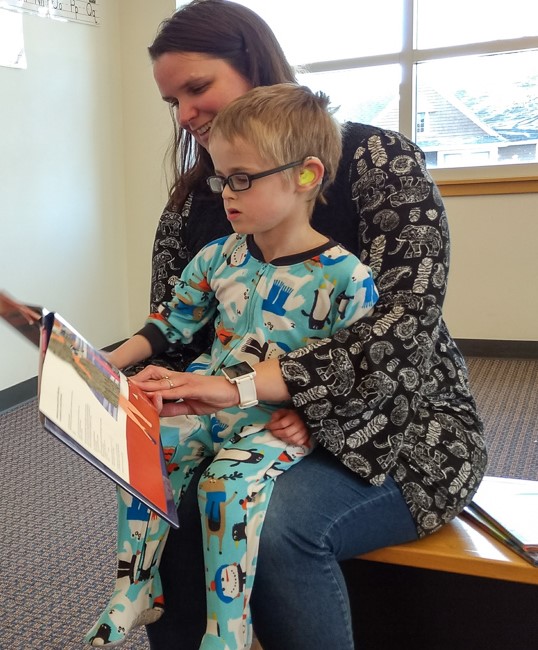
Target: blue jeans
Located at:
point(320, 513)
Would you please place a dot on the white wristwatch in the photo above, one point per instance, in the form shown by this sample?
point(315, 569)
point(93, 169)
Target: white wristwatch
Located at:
point(242, 375)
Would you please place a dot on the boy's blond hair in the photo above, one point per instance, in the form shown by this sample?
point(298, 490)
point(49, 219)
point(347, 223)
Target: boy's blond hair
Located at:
point(284, 123)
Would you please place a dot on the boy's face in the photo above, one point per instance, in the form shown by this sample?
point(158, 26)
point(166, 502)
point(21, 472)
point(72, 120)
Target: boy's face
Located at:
point(270, 202)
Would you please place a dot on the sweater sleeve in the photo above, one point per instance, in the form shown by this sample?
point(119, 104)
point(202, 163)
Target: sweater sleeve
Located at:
point(360, 391)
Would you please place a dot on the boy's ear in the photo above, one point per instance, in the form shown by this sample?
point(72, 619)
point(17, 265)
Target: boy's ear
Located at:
point(311, 173)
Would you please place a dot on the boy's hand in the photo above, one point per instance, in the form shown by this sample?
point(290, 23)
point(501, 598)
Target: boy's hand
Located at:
point(288, 426)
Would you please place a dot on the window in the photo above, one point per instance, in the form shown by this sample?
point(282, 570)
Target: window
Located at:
point(459, 77)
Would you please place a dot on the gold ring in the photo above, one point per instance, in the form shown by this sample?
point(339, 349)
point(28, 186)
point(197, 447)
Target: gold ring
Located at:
point(169, 381)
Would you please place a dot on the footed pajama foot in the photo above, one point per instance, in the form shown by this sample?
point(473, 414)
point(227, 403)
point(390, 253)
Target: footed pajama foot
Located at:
point(123, 614)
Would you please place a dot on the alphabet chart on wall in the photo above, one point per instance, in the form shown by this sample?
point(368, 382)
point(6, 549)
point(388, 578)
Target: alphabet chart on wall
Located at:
point(79, 11)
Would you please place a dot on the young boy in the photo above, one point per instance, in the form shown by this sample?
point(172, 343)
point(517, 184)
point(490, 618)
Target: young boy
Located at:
point(275, 285)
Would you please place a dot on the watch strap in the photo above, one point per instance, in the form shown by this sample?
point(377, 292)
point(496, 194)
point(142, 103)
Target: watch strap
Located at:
point(247, 391)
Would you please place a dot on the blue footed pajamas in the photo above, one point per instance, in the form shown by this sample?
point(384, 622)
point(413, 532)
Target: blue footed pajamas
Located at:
point(261, 310)
point(233, 494)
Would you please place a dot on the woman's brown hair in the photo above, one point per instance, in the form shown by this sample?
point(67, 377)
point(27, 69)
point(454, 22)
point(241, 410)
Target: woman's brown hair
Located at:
point(223, 30)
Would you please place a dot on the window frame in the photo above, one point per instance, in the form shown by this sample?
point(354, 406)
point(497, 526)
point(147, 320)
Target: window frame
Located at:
point(453, 181)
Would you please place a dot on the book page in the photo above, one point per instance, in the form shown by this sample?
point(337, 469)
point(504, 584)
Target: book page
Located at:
point(93, 408)
point(81, 394)
point(513, 504)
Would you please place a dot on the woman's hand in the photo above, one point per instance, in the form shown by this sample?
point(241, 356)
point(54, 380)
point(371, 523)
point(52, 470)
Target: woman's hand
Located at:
point(199, 394)
point(288, 426)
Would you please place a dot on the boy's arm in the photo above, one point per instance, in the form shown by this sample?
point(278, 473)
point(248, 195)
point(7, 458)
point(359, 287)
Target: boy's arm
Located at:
point(190, 309)
point(193, 304)
point(286, 424)
point(135, 349)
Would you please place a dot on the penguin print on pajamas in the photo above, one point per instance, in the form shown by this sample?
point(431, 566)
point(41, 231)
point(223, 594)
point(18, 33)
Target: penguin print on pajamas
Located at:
point(239, 530)
point(321, 308)
point(240, 456)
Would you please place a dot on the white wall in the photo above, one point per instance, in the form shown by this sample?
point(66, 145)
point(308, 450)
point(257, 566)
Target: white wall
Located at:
point(148, 130)
point(492, 290)
point(71, 179)
point(82, 138)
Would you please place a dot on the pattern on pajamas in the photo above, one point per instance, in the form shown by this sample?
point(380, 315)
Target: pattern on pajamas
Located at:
point(233, 494)
point(261, 310)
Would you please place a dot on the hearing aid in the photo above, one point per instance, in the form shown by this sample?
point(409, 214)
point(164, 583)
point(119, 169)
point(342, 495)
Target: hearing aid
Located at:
point(306, 176)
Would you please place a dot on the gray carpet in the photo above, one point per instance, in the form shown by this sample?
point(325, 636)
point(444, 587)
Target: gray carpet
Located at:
point(58, 515)
point(506, 391)
point(58, 512)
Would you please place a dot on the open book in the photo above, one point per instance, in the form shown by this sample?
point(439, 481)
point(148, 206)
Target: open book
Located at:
point(508, 510)
point(94, 408)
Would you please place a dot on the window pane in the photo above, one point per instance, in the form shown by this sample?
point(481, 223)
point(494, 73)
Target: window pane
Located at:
point(455, 22)
point(368, 95)
point(478, 110)
point(341, 29)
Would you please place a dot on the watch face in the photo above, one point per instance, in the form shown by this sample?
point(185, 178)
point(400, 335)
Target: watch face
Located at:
point(238, 370)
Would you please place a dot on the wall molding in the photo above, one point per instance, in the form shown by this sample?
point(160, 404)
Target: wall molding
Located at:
point(498, 348)
point(485, 186)
point(15, 395)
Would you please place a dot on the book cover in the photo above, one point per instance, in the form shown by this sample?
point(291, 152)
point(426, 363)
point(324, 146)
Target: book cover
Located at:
point(487, 526)
point(511, 505)
point(94, 409)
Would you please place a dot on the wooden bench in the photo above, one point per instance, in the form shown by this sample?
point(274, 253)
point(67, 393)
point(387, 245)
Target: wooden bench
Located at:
point(460, 547)
point(498, 617)
point(456, 589)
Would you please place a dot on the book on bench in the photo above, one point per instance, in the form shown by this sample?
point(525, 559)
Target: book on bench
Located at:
point(92, 407)
point(507, 509)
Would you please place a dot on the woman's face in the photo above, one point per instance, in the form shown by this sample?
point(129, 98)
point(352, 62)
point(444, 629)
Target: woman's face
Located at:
point(197, 86)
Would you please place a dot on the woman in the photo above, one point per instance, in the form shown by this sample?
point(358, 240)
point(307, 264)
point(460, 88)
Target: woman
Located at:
point(401, 449)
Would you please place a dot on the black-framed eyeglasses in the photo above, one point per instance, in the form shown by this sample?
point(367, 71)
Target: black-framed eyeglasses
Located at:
point(241, 181)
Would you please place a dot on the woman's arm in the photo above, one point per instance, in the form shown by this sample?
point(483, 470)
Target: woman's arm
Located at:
point(359, 391)
point(204, 394)
point(200, 394)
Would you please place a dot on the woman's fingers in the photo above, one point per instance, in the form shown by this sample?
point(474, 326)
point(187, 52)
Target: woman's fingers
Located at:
point(155, 378)
point(205, 393)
